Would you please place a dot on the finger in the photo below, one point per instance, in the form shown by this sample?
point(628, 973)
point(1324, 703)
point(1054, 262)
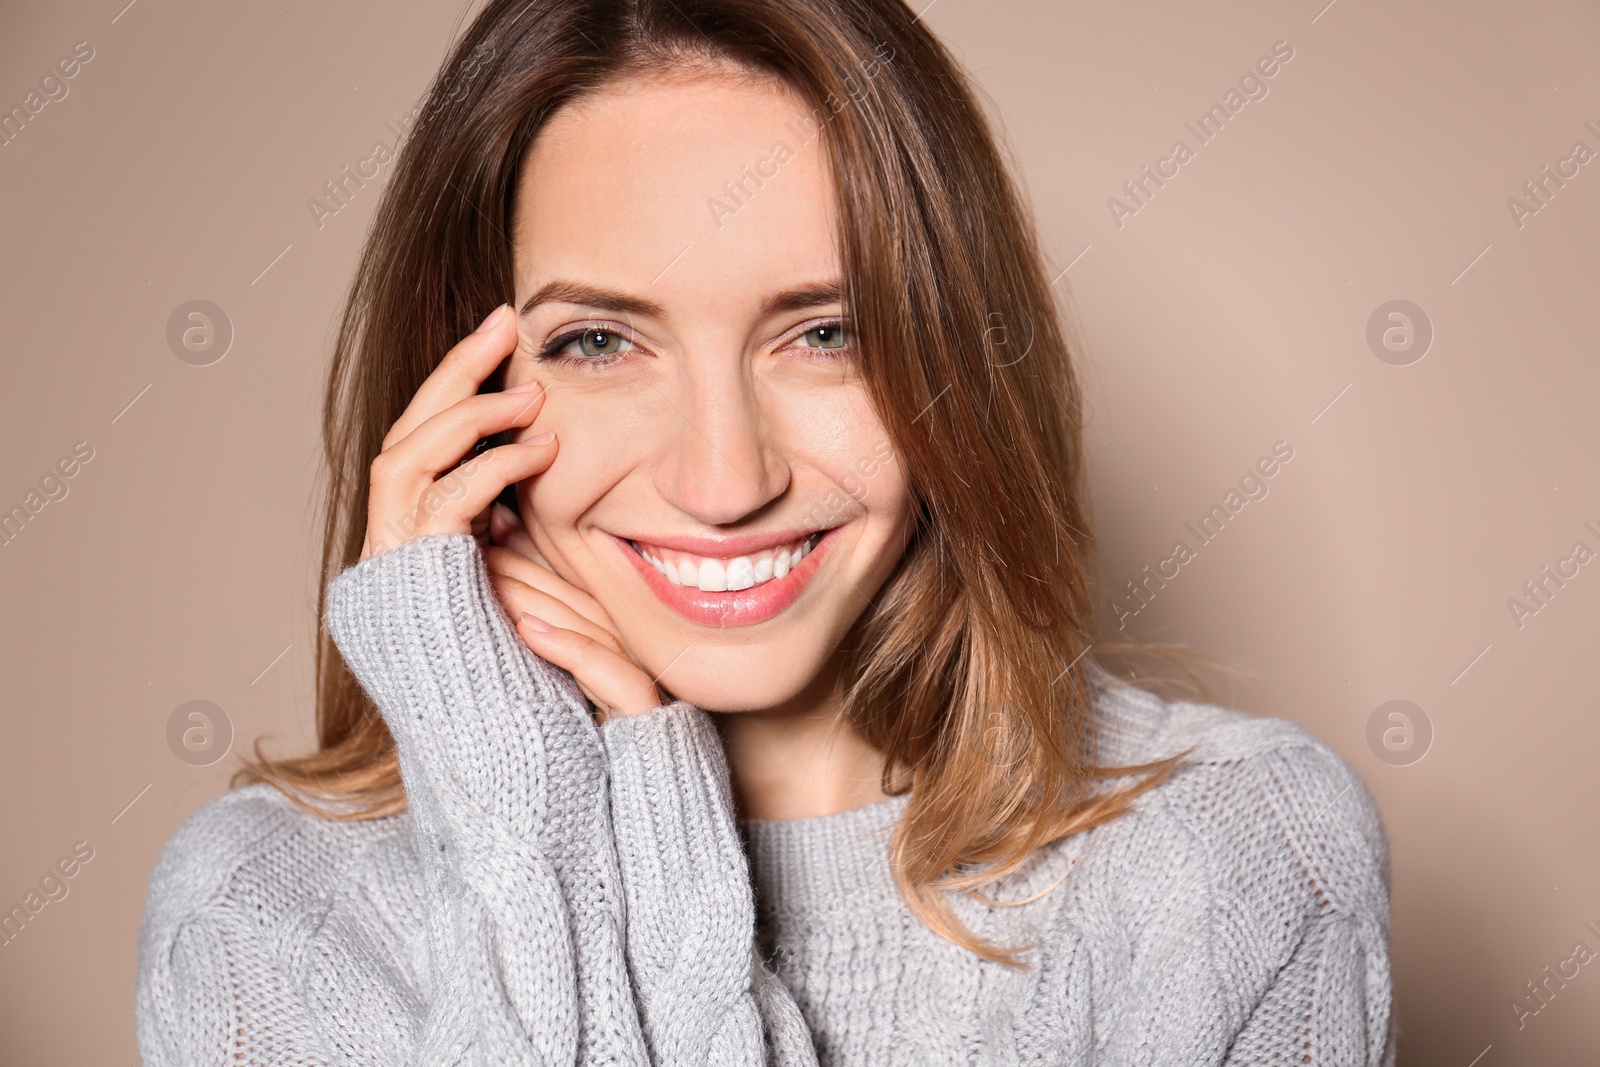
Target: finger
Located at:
point(443, 440)
point(521, 598)
point(403, 474)
point(506, 561)
point(517, 537)
point(615, 680)
point(480, 480)
point(507, 528)
point(399, 511)
point(462, 370)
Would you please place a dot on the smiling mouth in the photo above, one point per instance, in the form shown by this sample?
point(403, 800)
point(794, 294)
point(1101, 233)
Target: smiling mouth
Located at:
point(731, 591)
point(712, 574)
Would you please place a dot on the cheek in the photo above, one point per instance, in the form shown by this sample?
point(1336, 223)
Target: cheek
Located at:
point(600, 437)
point(813, 408)
point(838, 431)
point(878, 484)
point(866, 478)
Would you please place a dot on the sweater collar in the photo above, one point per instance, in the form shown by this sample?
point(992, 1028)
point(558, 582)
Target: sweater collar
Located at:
point(842, 859)
point(801, 865)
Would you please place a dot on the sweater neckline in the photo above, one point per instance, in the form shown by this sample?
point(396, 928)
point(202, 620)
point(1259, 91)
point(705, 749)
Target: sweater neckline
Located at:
point(842, 860)
point(827, 861)
point(866, 813)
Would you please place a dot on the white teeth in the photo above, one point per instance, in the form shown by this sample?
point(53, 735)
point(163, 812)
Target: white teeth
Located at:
point(741, 573)
point(715, 575)
point(713, 578)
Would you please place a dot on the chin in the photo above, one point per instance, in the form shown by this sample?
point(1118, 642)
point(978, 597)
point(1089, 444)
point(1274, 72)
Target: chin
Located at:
point(740, 678)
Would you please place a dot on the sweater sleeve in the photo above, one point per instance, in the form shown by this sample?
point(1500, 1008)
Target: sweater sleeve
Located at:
point(505, 781)
point(704, 995)
point(1325, 1006)
point(1330, 1001)
point(521, 959)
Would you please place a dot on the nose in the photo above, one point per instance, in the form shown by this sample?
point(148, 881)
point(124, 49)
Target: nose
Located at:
point(720, 464)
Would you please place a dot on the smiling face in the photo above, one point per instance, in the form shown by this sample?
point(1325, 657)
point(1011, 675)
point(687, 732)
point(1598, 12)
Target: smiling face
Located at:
point(723, 487)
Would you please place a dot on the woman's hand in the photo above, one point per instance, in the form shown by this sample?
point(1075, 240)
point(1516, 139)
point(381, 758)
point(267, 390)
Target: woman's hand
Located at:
point(563, 624)
point(420, 485)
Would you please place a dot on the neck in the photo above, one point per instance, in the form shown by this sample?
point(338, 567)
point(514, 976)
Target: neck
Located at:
point(800, 760)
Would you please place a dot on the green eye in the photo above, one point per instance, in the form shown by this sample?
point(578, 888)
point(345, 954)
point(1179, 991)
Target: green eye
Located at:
point(600, 343)
point(830, 336)
point(593, 348)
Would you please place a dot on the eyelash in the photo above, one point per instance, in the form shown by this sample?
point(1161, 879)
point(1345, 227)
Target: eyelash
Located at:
point(551, 352)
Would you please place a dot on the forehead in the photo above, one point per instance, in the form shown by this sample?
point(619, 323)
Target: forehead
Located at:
point(678, 182)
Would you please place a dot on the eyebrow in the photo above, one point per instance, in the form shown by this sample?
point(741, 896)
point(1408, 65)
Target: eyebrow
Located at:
point(814, 294)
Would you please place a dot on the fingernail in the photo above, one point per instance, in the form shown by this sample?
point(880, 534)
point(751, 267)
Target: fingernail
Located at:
point(494, 317)
point(523, 388)
point(541, 438)
point(536, 623)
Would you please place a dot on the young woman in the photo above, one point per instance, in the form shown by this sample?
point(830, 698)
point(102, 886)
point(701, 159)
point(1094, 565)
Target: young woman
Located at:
point(707, 675)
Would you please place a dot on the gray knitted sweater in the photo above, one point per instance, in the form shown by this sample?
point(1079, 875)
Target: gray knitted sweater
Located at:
point(558, 893)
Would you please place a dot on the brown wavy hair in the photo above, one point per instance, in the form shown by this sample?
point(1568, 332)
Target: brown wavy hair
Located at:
point(962, 672)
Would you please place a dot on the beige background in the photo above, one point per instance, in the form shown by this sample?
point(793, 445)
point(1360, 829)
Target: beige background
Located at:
point(1227, 314)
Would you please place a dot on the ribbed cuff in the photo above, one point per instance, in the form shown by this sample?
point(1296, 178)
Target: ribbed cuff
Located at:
point(421, 629)
point(690, 910)
point(672, 805)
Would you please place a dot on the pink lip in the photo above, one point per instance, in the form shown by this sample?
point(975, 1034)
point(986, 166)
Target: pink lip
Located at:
point(745, 607)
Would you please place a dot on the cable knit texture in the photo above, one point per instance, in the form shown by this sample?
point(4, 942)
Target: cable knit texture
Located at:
point(558, 893)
